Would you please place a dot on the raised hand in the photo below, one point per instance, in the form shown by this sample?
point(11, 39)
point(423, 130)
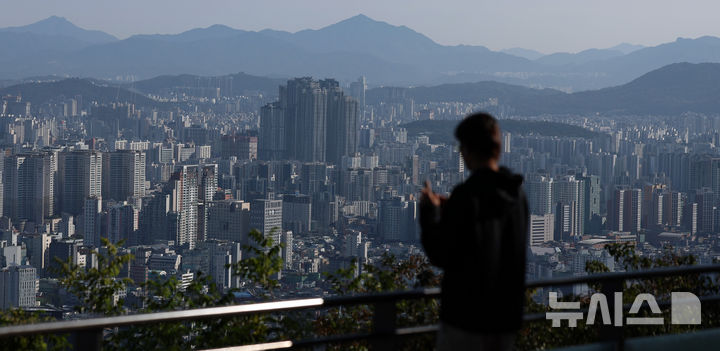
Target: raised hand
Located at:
point(429, 196)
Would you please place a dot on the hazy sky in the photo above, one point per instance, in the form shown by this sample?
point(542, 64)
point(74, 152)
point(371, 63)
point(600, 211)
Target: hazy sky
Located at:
point(544, 25)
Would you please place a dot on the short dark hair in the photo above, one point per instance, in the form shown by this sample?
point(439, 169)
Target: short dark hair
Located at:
point(476, 134)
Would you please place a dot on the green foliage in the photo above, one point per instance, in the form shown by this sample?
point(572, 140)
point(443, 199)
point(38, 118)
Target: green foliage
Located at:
point(97, 287)
point(262, 263)
point(661, 288)
point(390, 274)
point(259, 268)
point(168, 295)
point(540, 335)
point(30, 342)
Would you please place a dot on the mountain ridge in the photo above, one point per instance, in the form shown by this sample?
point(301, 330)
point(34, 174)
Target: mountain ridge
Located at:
point(671, 90)
point(386, 54)
point(60, 26)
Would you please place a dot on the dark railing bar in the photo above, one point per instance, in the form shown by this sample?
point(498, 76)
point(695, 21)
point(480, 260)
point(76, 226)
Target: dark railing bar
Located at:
point(533, 317)
point(158, 317)
point(287, 305)
point(423, 329)
point(605, 277)
point(210, 312)
point(400, 332)
point(381, 297)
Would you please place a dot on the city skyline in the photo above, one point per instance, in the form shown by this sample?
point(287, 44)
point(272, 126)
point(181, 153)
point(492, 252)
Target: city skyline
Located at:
point(364, 153)
point(555, 26)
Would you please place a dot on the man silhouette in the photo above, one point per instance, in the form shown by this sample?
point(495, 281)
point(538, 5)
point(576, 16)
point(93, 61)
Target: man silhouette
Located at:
point(478, 237)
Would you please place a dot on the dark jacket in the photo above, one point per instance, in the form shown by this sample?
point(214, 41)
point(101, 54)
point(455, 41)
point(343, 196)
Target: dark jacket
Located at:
point(479, 237)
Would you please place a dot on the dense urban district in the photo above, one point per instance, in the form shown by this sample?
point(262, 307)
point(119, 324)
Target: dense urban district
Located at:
point(179, 169)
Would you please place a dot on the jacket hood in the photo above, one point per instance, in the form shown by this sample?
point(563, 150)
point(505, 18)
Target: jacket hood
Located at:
point(503, 182)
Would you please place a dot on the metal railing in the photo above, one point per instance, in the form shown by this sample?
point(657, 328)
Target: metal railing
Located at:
point(89, 332)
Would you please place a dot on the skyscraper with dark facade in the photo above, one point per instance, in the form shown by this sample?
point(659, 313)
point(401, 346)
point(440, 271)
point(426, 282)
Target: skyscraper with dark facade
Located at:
point(241, 146)
point(397, 220)
point(124, 176)
point(591, 204)
point(320, 122)
point(272, 132)
point(625, 210)
point(80, 176)
point(342, 125)
point(305, 105)
point(357, 90)
point(29, 186)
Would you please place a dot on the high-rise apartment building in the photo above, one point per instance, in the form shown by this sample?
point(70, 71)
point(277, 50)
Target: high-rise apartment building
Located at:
point(18, 287)
point(397, 220)
point(320, 124)
point(287, 251)
point(184, 183)
point(266, 216)
point(625, 210)
point(540, 194)
point(342, 125)
point(80, 176)
point(228, 220)
point(207, 186)
point(37, 246)
point(272, 132)
point(591, 204)
point(357, 90)
point(704, 198)
point(570, 192)
point(92, 221)
point(154, 219)
point(541, 229)
point(241, 146)
point(124, 175)
point(29, 186)
point(313, 177)
point(297, 213)
point(305, 105)
point(122, 223)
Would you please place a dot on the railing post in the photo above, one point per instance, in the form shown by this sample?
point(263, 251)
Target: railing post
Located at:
point(384, 325)
point(91, 340)
point(614, 332)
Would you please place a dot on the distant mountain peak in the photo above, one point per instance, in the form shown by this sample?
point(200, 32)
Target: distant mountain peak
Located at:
point(359, 18)
point(53, 22)
point(55, 19)
point(60, 26)
point(220, 27)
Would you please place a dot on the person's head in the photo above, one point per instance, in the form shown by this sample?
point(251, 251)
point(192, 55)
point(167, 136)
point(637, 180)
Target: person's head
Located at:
point(479, 137)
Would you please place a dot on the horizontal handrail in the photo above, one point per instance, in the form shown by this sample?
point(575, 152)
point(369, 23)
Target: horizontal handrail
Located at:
point(606, 277)
point(297, 304)
point(210, 312)
point(399, 332)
